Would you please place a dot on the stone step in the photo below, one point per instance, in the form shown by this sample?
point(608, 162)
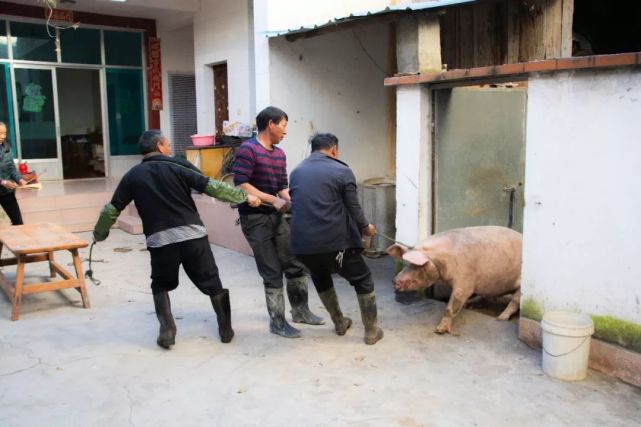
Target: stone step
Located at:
point(220, 222)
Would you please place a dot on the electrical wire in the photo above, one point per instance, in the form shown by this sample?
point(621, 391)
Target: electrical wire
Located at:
point(385, 73)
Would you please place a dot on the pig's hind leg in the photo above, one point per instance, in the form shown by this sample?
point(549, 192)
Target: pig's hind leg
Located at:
point(512, 307)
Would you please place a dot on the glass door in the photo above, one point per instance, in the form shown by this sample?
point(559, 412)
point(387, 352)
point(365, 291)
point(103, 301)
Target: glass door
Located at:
point(36, 112)
point(80, 111)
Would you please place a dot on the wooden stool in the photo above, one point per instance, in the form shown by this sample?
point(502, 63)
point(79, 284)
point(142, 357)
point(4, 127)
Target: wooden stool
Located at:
point(36, 243)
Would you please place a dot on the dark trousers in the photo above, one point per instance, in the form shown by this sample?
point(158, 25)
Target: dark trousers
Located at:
point(353, 269)
point(10, 205)
point(197, 260)
point(268, 236)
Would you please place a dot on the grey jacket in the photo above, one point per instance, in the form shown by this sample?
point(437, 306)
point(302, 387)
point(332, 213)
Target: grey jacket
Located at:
point(7, 168)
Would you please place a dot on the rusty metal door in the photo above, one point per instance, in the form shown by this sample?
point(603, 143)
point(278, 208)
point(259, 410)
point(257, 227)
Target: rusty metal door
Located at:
point(479, 157)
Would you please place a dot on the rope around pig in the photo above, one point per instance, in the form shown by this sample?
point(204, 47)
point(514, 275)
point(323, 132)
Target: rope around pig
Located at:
point(393, 240)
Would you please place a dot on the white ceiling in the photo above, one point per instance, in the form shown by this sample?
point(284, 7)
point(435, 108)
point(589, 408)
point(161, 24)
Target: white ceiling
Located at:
point(169, 14)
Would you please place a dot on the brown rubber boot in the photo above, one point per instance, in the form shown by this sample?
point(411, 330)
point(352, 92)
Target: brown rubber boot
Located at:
point(367, 303)
point(276, 309)
point(298, 299)
point(330, 301)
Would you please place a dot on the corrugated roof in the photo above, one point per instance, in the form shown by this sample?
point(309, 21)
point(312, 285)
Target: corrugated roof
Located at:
point(361, 15)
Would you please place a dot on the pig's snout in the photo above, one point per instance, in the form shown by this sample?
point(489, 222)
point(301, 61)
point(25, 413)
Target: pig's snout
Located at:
point(404, 283)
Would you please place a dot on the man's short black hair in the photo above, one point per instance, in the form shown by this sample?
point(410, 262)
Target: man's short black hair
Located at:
point(274, 114)
point(149, 140)
point(323, 141)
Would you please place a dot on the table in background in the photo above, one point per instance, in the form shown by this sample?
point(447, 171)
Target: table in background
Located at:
point(35, 243)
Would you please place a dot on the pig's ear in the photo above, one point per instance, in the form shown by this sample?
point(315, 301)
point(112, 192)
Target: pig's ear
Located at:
point(416, 258)
point(396, 251)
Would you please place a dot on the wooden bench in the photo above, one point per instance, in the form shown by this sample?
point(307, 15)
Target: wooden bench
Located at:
point(36, 243)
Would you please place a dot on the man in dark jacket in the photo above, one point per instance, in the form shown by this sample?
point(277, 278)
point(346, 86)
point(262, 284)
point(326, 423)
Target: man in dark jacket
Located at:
point(326, 232)
point(161, 189)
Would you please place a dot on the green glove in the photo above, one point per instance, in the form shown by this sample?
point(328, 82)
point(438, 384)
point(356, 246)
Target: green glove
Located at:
point(108, 216)
point(225, 192)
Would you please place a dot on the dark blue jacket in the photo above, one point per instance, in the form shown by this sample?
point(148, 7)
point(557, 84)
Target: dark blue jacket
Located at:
point(326, 215)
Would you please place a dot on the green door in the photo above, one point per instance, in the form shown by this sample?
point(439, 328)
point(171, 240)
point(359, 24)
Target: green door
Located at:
point(36, 112)
point(479, 157)
point(6, 104)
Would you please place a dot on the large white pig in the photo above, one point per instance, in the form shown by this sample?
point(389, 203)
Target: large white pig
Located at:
point(484, 261)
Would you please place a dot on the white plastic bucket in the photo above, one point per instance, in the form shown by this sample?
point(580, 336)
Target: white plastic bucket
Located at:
point(566, 344)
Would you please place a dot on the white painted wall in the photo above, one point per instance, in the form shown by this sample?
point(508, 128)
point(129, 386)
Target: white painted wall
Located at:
point(582, 231)
point(222, 33)
point(413, 163)
point(177, 55)
point(261, 54)
point(327, 83)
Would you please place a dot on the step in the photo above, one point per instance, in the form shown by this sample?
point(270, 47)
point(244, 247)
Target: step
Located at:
point(220, 222)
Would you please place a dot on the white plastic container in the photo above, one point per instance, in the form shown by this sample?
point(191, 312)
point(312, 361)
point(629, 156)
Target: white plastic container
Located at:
point(566, 344)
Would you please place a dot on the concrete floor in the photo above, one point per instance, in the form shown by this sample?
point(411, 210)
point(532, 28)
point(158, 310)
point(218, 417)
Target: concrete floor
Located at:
point(65, 366)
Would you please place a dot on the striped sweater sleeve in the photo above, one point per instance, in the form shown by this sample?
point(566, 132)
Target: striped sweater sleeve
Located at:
point(284, 182)
point(244, 164)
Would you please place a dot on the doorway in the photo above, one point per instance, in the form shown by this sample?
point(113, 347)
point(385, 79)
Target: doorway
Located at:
point(80, 115)
point(479, 159)
point(479, 156)
point(220, 96)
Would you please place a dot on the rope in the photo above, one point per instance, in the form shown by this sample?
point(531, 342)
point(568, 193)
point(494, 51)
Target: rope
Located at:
point(393, 240)
point(89, 272)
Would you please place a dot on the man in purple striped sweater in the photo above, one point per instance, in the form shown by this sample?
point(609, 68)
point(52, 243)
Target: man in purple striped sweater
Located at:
point(261, 170)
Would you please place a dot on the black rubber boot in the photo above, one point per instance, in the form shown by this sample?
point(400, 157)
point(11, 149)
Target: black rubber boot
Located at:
point(330, 301)
point(223, 313)
point(367, 303)
point(167, 332)
point(276, 309)
point(297, 294)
